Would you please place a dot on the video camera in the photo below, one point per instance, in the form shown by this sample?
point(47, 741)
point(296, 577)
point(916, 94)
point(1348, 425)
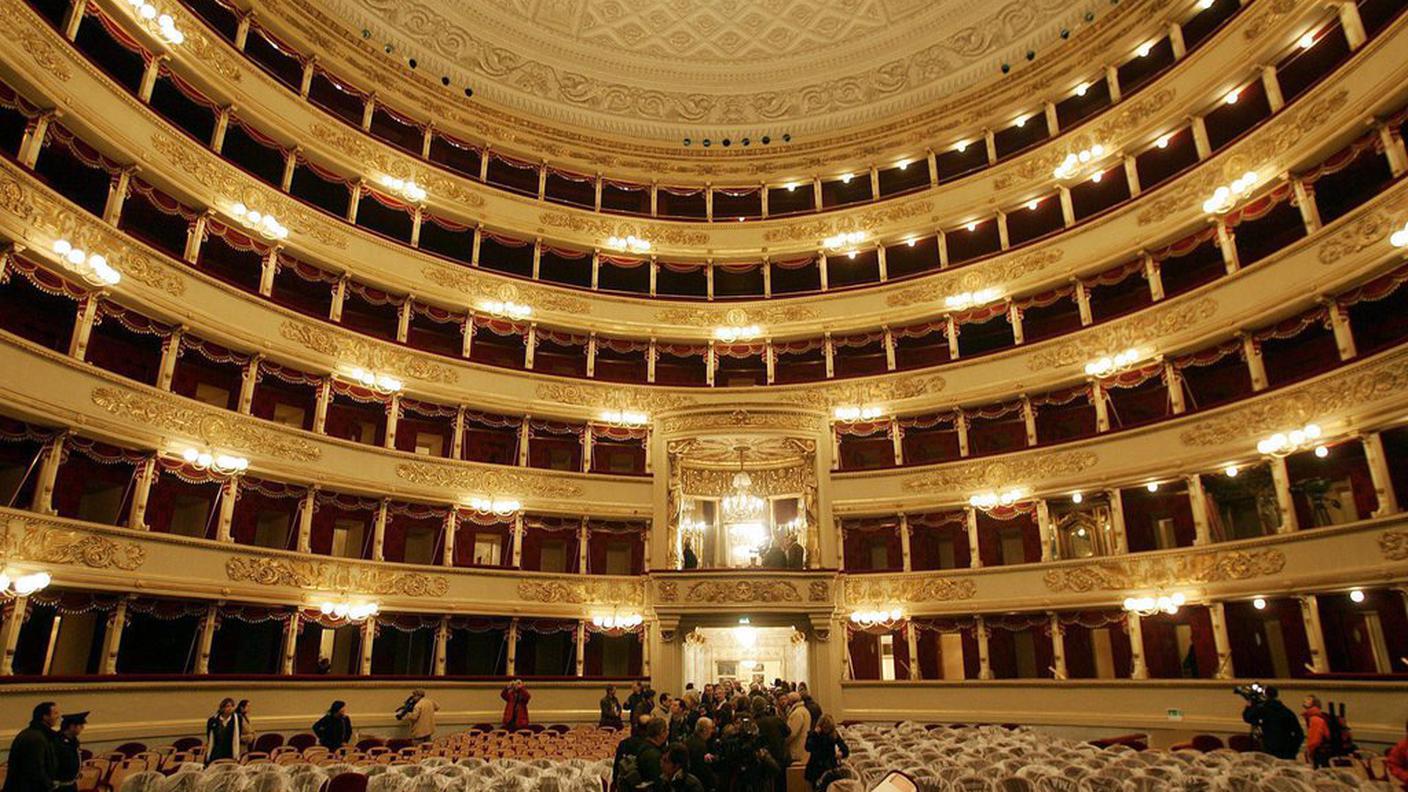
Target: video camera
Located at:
point(406, 706)
point(1255, 693)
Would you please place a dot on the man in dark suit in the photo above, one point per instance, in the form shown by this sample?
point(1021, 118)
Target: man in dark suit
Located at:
point(33, 764)
point(772, 732)
point(796, 556)
point(701, 753)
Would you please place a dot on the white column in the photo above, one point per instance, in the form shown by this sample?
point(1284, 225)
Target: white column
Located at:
point(1058, 648)
point(1256, 367)
point(984, 658)
point(1226, 243)
point(379, 532)
point(975, 558)
point(1377, 460)
point(1272, 85)
point(1153, 273)
point(1102, 407)
point(518, 540)
point(1221, 642)
point(1173, 381)
point(305, 520)
point(581, 638)
point(1029, 419)
point(1117, 528)
point(117, 194)
point(229, 493)
point(207, 637)
point(1344, 334)
point(141, 492)
point(364, 665)
point(1285, 504)
point(83, 326)
point(170, 351)
point(1305, 202)
point(960, 426)
point(112, 639)
point(43, 502)
point(442, 640)
point(290, 645)
point(906, 562)
point(911, 637)
point(1197, 500)
point(1201, 144)
point(1045, 530)
point(450, 527)
point(457, 442)
point(15, 613)
point(1314, 633)
point(320, 407)
point(510, 666)
point(1139, 669)
point(1083, 303)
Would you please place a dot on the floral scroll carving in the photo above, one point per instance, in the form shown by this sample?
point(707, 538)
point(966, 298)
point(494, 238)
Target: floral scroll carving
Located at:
point(1142, 328)
point(909, 590)
point(993, 475)
point(475, 480)
point(741, 591)
point(24, 540)
point(1181, 570)
point(373, 355)
point(594, 592)
point(1394, 545)
point(215, 427)
point(328, 576)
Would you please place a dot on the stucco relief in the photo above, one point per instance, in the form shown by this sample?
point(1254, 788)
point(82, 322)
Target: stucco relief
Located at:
point(212, 426)
point(1177, 570)
point(1024, 469)
point(741, 419)
point(485, 287)
point(895, 388)
point(907, 590)
point(984, 275)
point(23, 539)
point(480, 481)
point(1146, 327)
point(21, 28)
point(333, 577)
point(611, 397)
point(1394, 545)
point(591, 592)
point(738, 592)
point(370, 354)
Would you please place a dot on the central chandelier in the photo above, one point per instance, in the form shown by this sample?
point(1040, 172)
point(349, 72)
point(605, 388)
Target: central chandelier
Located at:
point(741, 507)
point(1151, 606)
point(22, 585)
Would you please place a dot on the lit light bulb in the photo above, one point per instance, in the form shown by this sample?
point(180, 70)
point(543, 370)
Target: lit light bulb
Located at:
point(1021, 121)
point(1077, 497)
point(1232, 96)
point(1145, 49)
point(1152, 486)
point(1162, 142)
point(846, 178)
point(1259, 603)
point(1307, 41)
point(961, 146)
point(1082, 89)
point(1356, 596)
point(1322, 451)
point(1231, 471)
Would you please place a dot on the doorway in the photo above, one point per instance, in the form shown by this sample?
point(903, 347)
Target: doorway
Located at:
point(744, 653)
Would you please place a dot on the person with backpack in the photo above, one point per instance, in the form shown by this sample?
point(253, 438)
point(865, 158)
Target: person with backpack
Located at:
point(1326, 734)
point(1280, 730)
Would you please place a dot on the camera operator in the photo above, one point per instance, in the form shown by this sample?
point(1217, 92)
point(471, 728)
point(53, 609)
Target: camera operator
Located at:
point(1273, 722)
point(420, 710)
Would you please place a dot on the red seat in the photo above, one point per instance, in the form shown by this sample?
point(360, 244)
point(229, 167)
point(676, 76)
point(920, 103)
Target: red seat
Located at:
point(187, 743)
point(131, 749)
point(303, 741)
point(267, 742)
point(1242, 743)
point(347, 782)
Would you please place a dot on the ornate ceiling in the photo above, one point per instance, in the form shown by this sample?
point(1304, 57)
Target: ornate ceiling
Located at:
point(671, 69)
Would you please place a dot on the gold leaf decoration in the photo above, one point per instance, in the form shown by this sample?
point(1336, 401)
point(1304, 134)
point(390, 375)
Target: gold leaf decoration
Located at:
point(1023, 469)
point(869, 220)
point(1394, 545)
point(20, 29)
point(741, 419)
point(367, 353)
point(14, 198)
point(818, 591)
point(1347, 390)
point(996, 274)
point(1176, 570)
point(27, 540)
point(1145, 327)
point(610, 397)
point(769, 316)
point(1365, 232)
point(212, 426)
point(741, 591)
point(667, 591)
point(334, 577)
point(890, 389)
point(602, 228)
point(586, 592)
point(866, 590)
point(1266, 15)
point(483, 286)
point(706, 482)
point(476, 480)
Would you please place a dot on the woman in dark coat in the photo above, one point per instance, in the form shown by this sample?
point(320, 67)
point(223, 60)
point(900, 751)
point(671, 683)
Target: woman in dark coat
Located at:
point(823, 745)
point(222, 733)
point(334, 729)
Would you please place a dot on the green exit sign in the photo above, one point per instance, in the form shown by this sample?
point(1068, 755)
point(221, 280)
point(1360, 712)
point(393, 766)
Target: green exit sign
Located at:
point(1175, 714)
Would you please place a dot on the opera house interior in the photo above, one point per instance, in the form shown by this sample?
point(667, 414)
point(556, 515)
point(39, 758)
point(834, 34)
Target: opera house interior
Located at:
point(1024, 382)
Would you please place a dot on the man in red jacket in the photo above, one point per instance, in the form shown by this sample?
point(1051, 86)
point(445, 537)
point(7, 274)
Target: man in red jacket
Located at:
point(1317, 731)
point(1398, 763)
point(516, 698)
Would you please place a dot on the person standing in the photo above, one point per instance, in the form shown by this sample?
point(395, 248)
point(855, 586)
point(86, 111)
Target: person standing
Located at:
point(674, 771)
point(246, 730)
point(799, 725)
point(825, 750)
point(772, 735)
point(334, 729)
point(33, 765)
point(1281, 733)
point(701, 753)
point(793, 552)
point(610, 709)
point(1397, 763)
point(67, 754)
point(651, 751)
point(515, 698)
point(422, 717)
point(222, 733)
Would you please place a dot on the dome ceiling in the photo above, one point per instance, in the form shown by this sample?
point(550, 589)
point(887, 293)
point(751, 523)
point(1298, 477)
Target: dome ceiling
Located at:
point(671, 69)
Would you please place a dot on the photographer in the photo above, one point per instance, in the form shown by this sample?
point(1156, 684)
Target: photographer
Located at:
point(1277, 727)
point(419, 711)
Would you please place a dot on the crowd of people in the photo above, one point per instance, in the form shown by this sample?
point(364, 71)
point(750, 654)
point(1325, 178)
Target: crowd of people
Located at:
point(778, 553)
point(726, 737)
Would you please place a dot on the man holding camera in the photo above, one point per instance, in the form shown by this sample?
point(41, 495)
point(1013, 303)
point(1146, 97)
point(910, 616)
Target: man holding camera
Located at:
point(419, 713)
point(1278, 728)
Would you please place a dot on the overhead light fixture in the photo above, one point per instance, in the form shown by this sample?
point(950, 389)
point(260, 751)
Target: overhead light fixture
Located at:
point(1105, 366)
point(1205, 4)
point(381, 383)
point(1227, 196)
point(844, 239)
point(1356, 596)
point(732, 334)
point(959, 302)
point(961, 146)
point(1145, 49)
point(1399, 238)
point(1082, 89)
point(903, 164)
point(223, 464)
point(165, 23)
point(1033, 204)
point(1259, 603)
point(507, 309)
point(617, 621)
point(1232, 96)
point(406, 188)
point(1152, 486)
point(877, 618)
point(987, 501)
point(1077, 497)
point(1150, 606)
point(1021, 121)
point(630, 243)
point(262, 223)
point(1307, 41)
point(1231, 471)
point(1097, 176)
point(910, 242)
point(495, 505)
point(625, 417)
point(17, 584)
point(1321, 451)
point(1162, 142)
point(93, 268)
point(852, 413)
point(791, 186)
point(1283, 444)
point(344, 610)
point(846, 178)
point(972, 225)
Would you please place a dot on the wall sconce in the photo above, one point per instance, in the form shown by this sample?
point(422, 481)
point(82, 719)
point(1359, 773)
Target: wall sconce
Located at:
point(165, 24)
point(262, 223)
point(381, 383)
point(224, 464)
point(730, 335)
point(624, 417)
point(1069, 165)
point(850, 413)
point(991, 500)
point(1399, 239)
point(614, 621)
point(22, 585)
point(1149, 606)
point(506, 309)
point(503, 507)
point(1284, 444)
point(877, 618)
point(406, 188)
point(91, 267)
point(959, 302)
point(844, 239)
point(1226, 196)
point(1106, 366)
point(350, 611)
point(629, 243)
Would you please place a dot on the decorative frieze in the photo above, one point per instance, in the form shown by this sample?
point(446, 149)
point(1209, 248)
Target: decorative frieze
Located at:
point(33, 40)
point(367, 353)
point(742, 419)
point(481, 479)
point(1174, 570)
point(329, 576)
point(996, 474)
point(659, 234)
point(907, 590)
point(1394, 545)
point(825, 396)
point(740, 592)
point(1146, 327)
point(486, 287)
point(870, 220)
point(24, 539)
point(765, 316)
point(998, 273)
point(612, 397)
point(212, 426)
point(585, 592)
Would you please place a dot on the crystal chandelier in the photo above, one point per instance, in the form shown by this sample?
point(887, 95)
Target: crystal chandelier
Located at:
point(741, 506)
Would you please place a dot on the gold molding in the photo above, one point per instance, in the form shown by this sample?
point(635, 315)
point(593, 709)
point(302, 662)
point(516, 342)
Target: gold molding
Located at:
point(475, 481)
point(742, 419)
point(1394, 545)
point(1000, 473)
point(1177, 570)
point(474, 285)
point(767, 315)
point(334, 577)
point(219, 428)
point(1365, 232)
point(868, 590)
point(611, 397)
point(583, 592)
point(31, 540)
point(367, 352)
point(898, 386)
point(870, 220)
point(1141, 329)
point(968, 279)
point(725, 592)
point(35, 43)
point(1330, 396)
point(606, 227)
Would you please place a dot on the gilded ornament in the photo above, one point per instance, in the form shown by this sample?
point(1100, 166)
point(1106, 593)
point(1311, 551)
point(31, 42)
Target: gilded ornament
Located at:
point(592, 592)
point(1394, 545)
point(1365, 232)
point(725, 592)
point(741, 419)
point(1016, 470)
point(479, 480)
point(604, 228)
point(373, 355)
point(867, 590)
point(482, 286)
point(869, 220)
point(328, 576)
point(34, 41)
point(889, 389)
point(1265, 15)
point(667, 591)
point(611, 397)
point(25, 540)
point(1348, 390)
point(87, 232)
point(1146, 327)
point(14, 198)
point(818, 591)
point(997, 273)
point(215, 427)
point(767, 482)
point(1177, 570)
point(767, 316)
